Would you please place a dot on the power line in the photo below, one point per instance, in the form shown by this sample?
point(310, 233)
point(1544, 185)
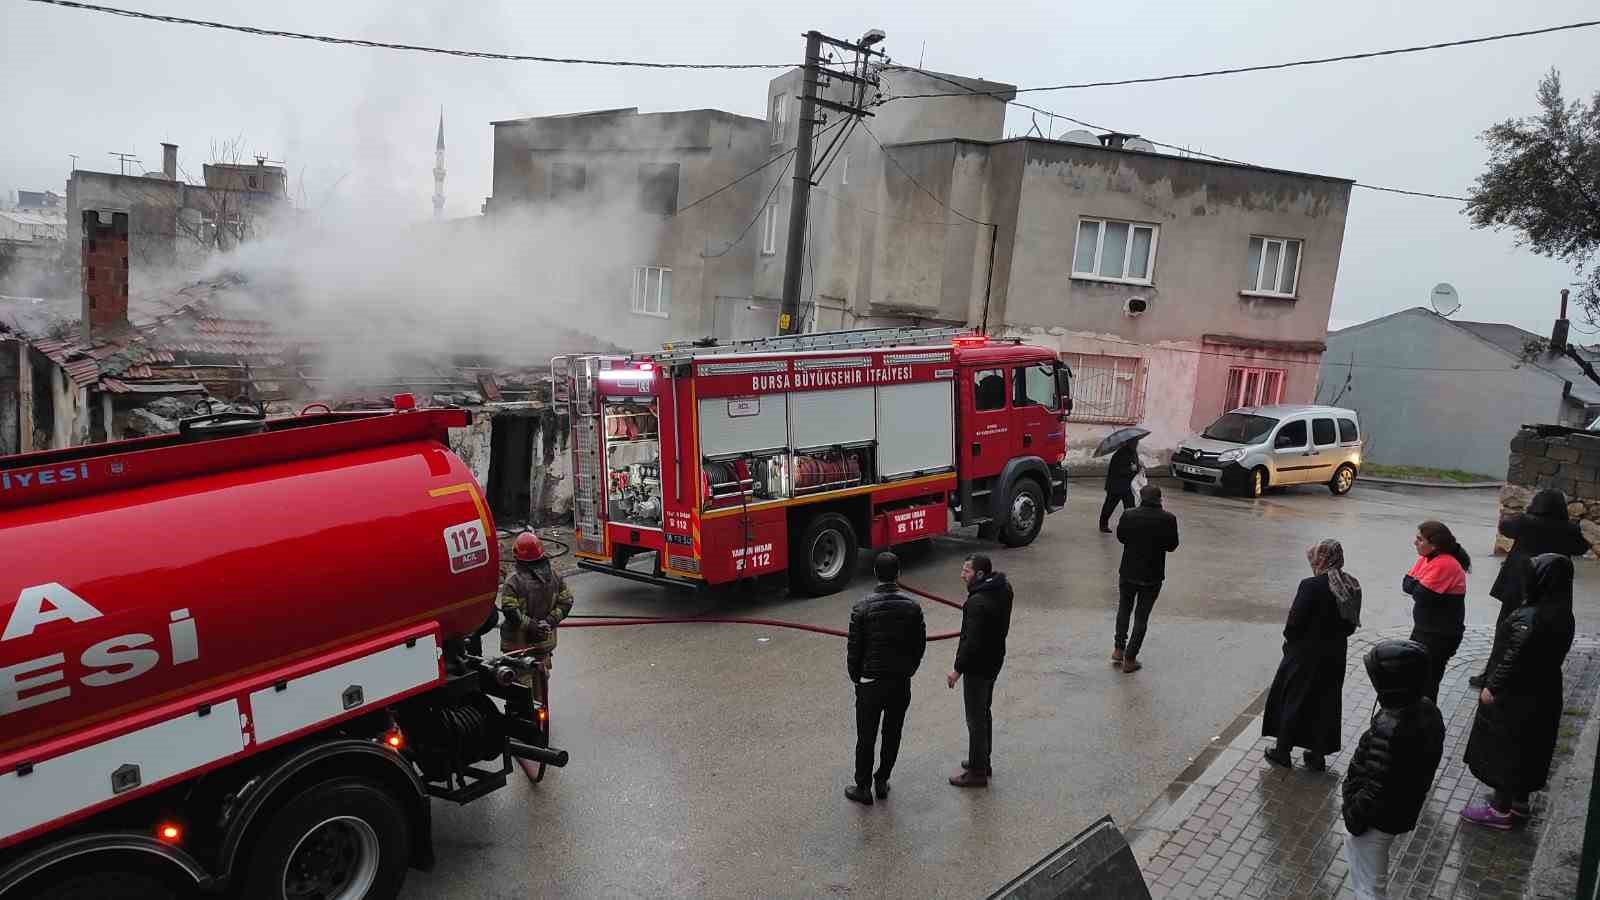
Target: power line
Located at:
point(384, 45)
point(1174, 147)
point(752, 172)
point(760, 211)
point(1267, 67)
point(912, 178)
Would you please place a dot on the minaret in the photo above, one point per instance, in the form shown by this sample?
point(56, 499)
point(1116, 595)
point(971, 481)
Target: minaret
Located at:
point(438, 171)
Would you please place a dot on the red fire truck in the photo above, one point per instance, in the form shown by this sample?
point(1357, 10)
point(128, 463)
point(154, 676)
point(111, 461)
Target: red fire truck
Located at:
point(242, 657)
point(731, 461)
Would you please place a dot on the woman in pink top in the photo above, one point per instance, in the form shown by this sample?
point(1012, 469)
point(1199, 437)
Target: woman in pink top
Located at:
point(1438, 588)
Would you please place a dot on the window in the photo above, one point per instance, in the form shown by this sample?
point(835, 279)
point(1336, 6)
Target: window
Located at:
point(1106, 389)
point(652, 291)
point(658, 188)
point(1323, 434)
point(1291, 436)
point(1115, 251)
point(1250, 386)
point(1348, 434)
point(844, 169)
point(253, 183)
point(989, 390)
point(566, 180)
point(769, 230)
point(1273, 266)
point(1034, 386)
point(779, 117)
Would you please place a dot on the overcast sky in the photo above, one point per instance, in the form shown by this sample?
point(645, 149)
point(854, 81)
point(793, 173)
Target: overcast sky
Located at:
point(356, 126)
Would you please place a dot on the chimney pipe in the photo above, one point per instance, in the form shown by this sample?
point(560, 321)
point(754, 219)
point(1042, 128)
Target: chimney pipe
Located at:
point(105, 274)
point(1558, 335)
point(169, 161)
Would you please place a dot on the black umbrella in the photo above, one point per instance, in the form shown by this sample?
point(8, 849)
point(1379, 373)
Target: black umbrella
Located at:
point(1115, 439)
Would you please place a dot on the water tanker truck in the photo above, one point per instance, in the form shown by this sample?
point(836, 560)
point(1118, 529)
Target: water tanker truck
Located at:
point(242, 658)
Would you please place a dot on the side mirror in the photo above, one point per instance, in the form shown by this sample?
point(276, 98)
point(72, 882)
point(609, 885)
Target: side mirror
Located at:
point(1064, 388)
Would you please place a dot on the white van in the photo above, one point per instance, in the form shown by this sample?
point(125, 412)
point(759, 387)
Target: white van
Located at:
point(1257, 447)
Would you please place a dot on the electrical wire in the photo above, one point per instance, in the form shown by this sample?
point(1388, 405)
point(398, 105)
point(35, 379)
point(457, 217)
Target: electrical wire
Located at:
point(384, 45)
point(912, 178)
point(1268, 67)
point(752, 172)
point(760, 211)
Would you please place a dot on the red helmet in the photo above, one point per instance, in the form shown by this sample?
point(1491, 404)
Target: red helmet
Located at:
point(528, 547)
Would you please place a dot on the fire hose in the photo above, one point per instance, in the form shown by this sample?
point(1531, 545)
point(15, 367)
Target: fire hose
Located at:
point(618, 621)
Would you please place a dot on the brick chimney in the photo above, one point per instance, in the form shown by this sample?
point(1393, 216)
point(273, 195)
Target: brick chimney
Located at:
point(105, 274)
point(169, 161)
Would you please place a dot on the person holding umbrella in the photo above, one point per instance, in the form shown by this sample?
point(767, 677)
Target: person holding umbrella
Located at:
point(1123, 445)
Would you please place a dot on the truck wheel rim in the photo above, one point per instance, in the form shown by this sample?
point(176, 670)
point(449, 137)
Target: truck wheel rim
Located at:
point(336, 860)
point(1344, 480)
point(1023, 512)
point(827, 555)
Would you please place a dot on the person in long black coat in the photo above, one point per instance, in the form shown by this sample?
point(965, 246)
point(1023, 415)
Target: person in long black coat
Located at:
point(1120, 472)
point(1304, 704)
point(1543, 528)
point(1519, 710)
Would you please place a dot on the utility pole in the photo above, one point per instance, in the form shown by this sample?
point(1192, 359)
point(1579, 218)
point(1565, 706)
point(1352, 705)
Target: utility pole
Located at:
point(800, 203)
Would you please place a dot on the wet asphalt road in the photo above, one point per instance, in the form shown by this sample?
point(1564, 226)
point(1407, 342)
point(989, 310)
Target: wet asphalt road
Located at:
point(710, 760)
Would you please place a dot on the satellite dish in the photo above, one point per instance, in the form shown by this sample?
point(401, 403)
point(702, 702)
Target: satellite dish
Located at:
point(1080, 136)
point(1139, 143)
point(1445, 300)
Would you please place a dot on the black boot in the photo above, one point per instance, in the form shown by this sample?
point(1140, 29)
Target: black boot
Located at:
point(1316, 762)
point(1279, 756)
point(880, 786)
point(859, 794)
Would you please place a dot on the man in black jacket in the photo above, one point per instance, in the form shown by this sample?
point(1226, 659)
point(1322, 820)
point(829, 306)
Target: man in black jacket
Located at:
point(887, 638)
point(1392, 770)
point(985, 621)
point(1147, 534)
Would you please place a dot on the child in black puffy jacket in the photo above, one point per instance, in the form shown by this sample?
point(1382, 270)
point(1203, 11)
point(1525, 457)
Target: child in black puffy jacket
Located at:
point(1392, 770)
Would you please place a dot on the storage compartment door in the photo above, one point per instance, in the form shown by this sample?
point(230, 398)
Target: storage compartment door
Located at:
point(733, 425)
point(916, 429)
point(831, 418)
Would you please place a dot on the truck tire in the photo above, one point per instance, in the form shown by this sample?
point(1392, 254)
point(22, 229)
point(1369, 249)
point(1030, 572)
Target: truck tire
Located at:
point(824, 559)
point(344, 839)
point(1024, 515)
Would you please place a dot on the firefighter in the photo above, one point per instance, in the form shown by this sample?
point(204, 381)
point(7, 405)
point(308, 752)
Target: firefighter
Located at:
point(533, 600)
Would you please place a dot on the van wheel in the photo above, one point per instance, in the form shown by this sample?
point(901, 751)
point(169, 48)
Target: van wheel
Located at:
point(1258, 482)
point(1025, 516)
point(1343, 480)
point(824, 559)
point(344, 839)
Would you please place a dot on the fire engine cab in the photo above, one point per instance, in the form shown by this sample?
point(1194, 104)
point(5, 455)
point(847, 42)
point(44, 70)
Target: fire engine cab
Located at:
point(731, 461)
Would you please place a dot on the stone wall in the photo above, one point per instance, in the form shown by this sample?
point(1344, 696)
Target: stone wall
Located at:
point(1560, 458)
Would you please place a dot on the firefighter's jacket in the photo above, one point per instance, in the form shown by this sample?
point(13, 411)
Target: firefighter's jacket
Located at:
point(537, 592)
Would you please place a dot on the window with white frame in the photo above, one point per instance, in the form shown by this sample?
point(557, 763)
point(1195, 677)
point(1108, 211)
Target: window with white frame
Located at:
point(1106, 389)
point(769, 229)
point(1110, 250)
point(1253, 386)
point(1273, 266)
point(652, 291)
point(779, 117)
point(844, 168)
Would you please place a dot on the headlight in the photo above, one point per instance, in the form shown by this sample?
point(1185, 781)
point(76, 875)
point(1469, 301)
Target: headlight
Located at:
point(1229, 455)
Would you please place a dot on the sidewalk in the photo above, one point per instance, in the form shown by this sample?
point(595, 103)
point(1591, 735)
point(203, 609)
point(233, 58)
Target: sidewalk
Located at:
point(1233, 826)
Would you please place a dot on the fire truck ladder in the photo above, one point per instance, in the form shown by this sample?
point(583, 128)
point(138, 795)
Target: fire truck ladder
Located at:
point(822, 340)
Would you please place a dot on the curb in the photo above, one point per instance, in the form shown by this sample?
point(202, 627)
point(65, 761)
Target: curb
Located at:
point(1417, 482)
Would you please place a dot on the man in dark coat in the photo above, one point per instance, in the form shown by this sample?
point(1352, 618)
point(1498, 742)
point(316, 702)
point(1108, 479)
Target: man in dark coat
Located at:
point(1543, 528)
point(1147, 534)
point(985, 621)
point(1519, 710)
point(887, 638)
point(1392, 770)
point(1124, 467)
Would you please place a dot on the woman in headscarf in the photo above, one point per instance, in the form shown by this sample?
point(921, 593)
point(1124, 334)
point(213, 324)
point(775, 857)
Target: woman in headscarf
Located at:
point(1519, 709)
point(1437, 584)
point(1303, 707)
point(1544, 527)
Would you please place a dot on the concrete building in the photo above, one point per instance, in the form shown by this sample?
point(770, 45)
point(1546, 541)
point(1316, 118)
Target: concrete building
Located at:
point(173, 224)
point(650, 268)
point(1177, 287)
point(1450, 395)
